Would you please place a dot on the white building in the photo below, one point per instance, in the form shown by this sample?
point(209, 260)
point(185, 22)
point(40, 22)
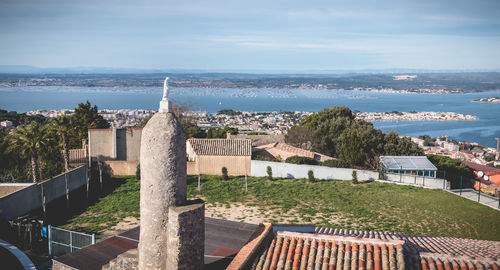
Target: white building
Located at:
point(6, 123)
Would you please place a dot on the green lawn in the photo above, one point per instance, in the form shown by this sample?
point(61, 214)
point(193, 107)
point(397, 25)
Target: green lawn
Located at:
point(366, 206)
point(108, 211)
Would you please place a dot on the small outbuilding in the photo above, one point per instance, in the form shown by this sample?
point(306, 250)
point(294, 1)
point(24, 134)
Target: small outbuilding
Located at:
point(208, 156)
point(410, 165)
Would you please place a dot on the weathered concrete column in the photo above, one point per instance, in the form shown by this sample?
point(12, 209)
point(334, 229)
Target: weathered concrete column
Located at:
point(186, 236)
point(163, 184)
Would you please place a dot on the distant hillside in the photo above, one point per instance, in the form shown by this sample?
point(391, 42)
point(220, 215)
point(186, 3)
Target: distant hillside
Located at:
point(459, 82)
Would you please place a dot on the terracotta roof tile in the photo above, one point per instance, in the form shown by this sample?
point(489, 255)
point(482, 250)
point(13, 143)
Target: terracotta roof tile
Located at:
point(483, 168)
point(337, 249)
point(221, 147)
point(417, 244)
point(320, 252)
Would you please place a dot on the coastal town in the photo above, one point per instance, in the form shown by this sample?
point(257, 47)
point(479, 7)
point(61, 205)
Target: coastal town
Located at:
point(246, 121)
point(277, 123)
point(415, 116)
point(117, 118)
point(487, 100)
point(264, 135)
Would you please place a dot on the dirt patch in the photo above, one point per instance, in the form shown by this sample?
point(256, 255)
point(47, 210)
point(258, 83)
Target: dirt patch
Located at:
point(235, 212)
point(122, 226)
point(257, 214)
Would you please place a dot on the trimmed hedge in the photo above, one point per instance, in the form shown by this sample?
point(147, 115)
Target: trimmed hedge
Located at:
point(335, 163)
point(301, 160)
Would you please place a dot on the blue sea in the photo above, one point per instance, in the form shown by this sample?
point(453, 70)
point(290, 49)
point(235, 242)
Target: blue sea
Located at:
point(483, 131)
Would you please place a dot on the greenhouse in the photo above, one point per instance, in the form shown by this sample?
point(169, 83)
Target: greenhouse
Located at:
point(409, 165)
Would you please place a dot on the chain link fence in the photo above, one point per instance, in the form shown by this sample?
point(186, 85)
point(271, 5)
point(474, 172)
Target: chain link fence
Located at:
point(63, 241)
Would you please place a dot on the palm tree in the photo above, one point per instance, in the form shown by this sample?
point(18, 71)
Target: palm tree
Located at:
point(29, 141)
point(62, 127)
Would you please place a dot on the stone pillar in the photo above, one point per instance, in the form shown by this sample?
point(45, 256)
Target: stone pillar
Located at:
point(186, 236)
point(163, 184)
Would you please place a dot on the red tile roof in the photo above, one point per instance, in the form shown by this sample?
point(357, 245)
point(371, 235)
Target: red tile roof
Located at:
point(478, 167)
point(221, 147)
point(349, 249)
point(443, 245)
point(291, 250)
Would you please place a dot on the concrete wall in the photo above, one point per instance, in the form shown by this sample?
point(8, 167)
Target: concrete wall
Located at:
point(191, 168)
point(131, 140)
point(418, 180)
point(122, 167)
point(101, 143)
point(236, 165)
point(28, 199)
point(115, 144)
point(287, 170)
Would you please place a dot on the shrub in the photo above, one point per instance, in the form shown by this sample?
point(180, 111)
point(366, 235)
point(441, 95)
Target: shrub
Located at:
point(138, 172)
point(264, 158)
point(310, 176)
point(301, 160)
point(354, 177)
point(269, 173)
point(454, 169)
point(335, 163)
point(489, 157)
point(224, 173)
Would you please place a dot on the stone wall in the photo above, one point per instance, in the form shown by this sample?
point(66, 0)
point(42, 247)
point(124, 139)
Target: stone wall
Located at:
point(186, 236)
point(128, 260)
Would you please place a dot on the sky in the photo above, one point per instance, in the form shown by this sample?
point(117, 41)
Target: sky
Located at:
point(252, 35)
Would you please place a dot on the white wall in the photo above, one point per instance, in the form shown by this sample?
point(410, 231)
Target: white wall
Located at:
point(287, 170)
point(418, 180)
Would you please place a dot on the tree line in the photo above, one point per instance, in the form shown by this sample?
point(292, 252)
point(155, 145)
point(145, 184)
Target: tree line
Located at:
point(354, 142)
point(38, 147)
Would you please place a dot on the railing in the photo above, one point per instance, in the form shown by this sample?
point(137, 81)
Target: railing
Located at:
point(63, 241)
point(78, 155)
point(417, 180)
point(478, 196)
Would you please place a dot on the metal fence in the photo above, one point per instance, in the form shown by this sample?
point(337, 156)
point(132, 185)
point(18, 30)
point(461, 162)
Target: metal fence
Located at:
point(416, 180)
point(63, 241)
point(478, 196)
